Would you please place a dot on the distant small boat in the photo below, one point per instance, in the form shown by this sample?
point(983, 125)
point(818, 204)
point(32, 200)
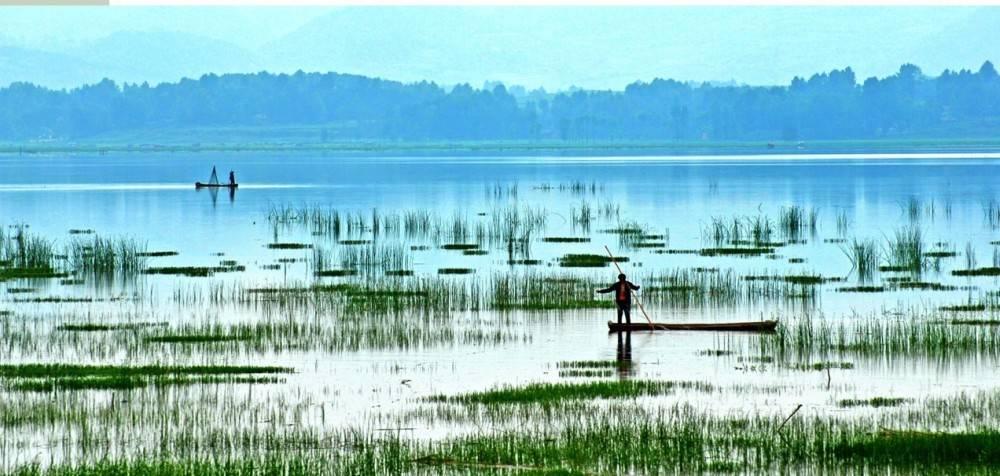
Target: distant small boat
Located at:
point(216, 185)
point(213, 182)
point(751, 326)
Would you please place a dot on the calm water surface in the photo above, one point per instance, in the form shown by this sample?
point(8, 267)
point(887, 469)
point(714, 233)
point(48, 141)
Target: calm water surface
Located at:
point(151, 197)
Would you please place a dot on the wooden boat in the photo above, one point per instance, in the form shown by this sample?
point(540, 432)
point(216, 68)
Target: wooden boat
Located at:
point(751, 326)
point(216, 185)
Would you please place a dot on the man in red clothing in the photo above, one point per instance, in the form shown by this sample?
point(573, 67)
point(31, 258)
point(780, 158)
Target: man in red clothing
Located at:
point(623, 297)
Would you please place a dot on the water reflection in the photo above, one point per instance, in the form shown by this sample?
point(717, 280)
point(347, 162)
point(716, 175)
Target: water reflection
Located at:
point(624, 357)
point(213, 192)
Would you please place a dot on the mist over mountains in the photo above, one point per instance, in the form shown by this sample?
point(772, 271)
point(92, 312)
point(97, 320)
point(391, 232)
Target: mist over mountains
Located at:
point(553, 47)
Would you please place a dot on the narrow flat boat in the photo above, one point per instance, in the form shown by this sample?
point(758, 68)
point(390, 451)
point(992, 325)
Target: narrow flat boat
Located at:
point(216, 185)
point(751, 326)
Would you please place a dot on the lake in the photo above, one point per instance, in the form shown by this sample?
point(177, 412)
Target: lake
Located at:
point(380, 282)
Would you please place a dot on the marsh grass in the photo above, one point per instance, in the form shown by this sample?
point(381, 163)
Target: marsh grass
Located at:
point(905, 251)
point(578, 260)
point(130, 382)
point(289, 246)
point(194, 271)
point(102, 327)
point(874, 402)
point(863, 255)
point(540, 393)
point(107, 256)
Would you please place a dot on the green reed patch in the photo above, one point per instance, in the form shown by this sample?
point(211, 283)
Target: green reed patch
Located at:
point(21, 290)
point(940, 254)
point(803, 279)
point(75, 370)
point(987, 271)
point(130, 382)
point(336, 273)
point(101, 327)
point(399, 272)
point(554, 392)
point(196, 338)
point(63, 299)
point(587, 364)
point(975, 322)
point(586, 373)
point(524, 262)
point(289, 246)
point(157, 254)
point(924, 286)
point(475, 252)
point(565, 239)
point(575, 260)
point(460, 246)
point(30, 273)
point(455, 271)
point(355, 242)
point(81, 231)
point(964, 308)
point(917, 448)
point(735, 251)
point(715, 352)
point(194, 271)
point(874, 402)
point(862, 289)
point(822, 366)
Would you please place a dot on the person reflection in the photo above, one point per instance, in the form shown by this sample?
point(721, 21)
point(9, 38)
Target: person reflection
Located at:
point(625, 354)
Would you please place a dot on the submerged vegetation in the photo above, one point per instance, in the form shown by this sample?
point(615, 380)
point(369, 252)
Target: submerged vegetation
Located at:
point(249, 364)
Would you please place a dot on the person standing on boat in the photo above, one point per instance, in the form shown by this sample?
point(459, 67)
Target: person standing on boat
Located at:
point(623, 297)
point(232, 178)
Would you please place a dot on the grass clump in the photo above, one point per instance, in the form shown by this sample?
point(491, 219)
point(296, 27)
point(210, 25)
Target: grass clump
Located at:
point(75, 370)
point(987, 271)
point(735, 251)
point(917, 448)
point(157, 254)
point(460, 246)
point(565, 239)
point(130, 383)
point(289, 246)
point(553, 392)
point(336, 273)
point(194, 271)
point(456, 271)
point(195, 338)
point(587, 364)
point(822, 366)
point(96, 327)
point(586, 373)
point(583, 260)
point(875, 402)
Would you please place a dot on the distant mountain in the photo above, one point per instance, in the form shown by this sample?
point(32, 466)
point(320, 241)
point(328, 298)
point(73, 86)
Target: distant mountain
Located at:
point(126, 57)
point(554, 47)
point(164, 56)
point(48, 69)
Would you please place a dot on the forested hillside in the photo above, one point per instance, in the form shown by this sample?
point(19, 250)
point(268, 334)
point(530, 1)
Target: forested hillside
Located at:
point(826, 106)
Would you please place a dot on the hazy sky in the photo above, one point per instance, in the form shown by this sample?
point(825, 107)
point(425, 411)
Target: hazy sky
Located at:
point(555, 47)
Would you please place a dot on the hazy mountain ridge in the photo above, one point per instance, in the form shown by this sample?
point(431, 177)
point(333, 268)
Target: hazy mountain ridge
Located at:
point(593, 47)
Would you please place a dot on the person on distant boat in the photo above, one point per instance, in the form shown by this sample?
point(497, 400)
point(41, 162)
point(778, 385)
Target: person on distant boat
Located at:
point(623, 297)
point(232, 178)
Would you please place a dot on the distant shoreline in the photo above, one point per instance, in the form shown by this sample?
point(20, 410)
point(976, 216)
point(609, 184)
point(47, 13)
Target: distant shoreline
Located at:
point(817, 150)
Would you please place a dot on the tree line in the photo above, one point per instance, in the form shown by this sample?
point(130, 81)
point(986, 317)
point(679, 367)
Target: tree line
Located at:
point(831, 105)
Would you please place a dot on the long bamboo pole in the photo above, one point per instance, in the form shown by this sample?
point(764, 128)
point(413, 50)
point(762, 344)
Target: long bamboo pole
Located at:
point(637, 301)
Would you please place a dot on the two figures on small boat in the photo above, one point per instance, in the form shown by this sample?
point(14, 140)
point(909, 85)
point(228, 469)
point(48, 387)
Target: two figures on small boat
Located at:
point(213, 181)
